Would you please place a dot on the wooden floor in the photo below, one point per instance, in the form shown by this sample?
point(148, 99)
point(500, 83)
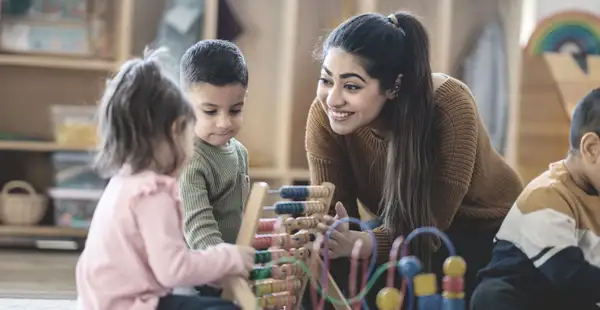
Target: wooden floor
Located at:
point(37, 274)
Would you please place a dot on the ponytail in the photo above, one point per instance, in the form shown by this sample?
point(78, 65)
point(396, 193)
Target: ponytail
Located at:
point(406, 203)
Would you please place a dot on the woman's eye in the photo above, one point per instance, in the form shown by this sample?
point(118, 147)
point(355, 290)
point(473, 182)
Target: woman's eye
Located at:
point(324, 81)
point(213, 112)
point(352, 87)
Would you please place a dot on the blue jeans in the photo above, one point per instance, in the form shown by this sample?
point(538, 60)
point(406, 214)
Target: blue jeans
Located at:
point(208, 291)
point(194, 302)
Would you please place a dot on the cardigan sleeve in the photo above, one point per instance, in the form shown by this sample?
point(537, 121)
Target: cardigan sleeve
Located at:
point(327, 161)
point(457, 133)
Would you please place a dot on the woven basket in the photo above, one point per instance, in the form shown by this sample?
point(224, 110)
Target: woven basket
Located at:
point(26, 209)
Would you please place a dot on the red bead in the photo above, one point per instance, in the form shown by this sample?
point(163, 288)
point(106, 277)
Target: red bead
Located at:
point(266, 225)
point(455, 285)
point(261, 242)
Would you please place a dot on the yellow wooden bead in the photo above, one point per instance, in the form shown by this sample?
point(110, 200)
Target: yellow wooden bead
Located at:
point(425, 284)
point(455, 266)
point(389, 298)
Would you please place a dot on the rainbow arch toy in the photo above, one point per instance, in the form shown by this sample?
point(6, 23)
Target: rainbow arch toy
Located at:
point(574, 32)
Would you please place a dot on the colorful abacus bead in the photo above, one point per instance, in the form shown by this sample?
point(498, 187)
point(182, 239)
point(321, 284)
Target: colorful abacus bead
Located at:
point(389, 298)
point(265, 256)
point(453, 285)
point(285, 270)
point(303, 192)
point(301, 238)
point(296, 207)
point(266, 287)
point(276, 300)
point(425, 289)
point(300, 253)
point(262, 242)
point(301, 223)
point(266, 225)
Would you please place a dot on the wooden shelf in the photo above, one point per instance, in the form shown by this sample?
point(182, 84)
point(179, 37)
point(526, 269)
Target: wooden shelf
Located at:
point(57, 62)
point(34, 146)
point(42, 231)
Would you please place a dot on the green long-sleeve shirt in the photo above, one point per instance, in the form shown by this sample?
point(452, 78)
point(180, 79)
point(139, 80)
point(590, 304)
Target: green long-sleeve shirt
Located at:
point(214, 187)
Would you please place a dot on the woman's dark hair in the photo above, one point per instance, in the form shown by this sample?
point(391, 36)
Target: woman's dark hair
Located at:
point(137, 112)
point(389, 47)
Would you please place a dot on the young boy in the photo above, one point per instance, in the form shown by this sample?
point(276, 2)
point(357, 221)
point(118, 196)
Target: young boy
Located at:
point(547, 252)
point(214, 184)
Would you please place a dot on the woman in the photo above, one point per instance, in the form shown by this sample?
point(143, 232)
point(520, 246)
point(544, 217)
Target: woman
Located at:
point(406, 143)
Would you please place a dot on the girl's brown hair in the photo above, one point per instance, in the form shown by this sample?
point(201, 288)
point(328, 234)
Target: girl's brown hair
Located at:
point(137, 113)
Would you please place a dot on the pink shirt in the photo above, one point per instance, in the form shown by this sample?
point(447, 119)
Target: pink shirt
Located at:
point(135, 252)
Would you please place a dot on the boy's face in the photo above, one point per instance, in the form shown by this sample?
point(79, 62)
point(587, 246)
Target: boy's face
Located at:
point(590, 151)
point(218, 111)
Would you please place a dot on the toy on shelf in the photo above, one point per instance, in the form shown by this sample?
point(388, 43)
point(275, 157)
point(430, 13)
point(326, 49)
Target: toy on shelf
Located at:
point(283, 245)
point(573, 32)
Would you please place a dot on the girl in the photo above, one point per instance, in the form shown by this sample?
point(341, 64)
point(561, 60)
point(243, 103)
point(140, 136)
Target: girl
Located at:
point(135, 252)
point(406, 143)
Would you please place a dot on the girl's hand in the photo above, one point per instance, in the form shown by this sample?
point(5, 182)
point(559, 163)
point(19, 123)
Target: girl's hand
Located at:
point(342, 239)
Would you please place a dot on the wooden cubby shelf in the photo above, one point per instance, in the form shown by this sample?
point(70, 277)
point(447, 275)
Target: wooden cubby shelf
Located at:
point(278, 40)
point(29, 146)
point(58, 62)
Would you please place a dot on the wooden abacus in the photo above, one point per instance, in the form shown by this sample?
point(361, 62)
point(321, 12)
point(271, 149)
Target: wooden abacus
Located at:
point(281, 286)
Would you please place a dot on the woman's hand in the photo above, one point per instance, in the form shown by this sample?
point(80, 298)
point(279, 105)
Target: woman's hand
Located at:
point(342, 239)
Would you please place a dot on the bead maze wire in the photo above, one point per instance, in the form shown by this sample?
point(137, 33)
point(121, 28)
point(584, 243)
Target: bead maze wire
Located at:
point(392, 264)
point(363, 227)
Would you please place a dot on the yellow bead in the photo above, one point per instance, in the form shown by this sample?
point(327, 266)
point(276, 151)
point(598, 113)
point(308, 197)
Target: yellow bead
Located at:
point(389, 298)
point(455, 266)
point(425, 284)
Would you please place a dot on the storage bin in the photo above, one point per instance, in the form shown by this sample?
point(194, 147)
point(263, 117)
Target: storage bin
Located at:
point(75, 125)
point(27, 37)
point(74, 170)
point(74, 207)
point(25, 209)
point(60, 27)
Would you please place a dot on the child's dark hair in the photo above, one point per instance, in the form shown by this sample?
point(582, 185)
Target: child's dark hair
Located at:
point(586, 118)
point(216, 62)
point(137, 112)
point(391, 48)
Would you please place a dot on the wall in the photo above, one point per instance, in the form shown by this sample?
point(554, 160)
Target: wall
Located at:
point(549, 7)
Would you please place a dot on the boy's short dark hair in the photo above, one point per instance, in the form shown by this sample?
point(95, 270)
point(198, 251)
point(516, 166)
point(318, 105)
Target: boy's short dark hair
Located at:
point(216, 62)
point(586, 118)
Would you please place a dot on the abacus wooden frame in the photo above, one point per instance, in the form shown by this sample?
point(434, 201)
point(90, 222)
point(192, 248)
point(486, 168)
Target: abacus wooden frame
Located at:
point(237, 289)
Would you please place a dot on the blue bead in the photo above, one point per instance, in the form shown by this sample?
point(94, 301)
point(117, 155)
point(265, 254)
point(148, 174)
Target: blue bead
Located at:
point(289, 207)
point(294, 192)
point(431, 302)
point(409, 266)
point(453, 304)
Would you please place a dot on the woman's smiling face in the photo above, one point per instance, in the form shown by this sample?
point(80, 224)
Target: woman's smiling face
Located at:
point(350, 96)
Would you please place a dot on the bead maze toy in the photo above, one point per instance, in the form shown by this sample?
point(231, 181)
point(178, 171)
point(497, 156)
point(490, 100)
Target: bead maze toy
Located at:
point(416, 285)
point(278, 282)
